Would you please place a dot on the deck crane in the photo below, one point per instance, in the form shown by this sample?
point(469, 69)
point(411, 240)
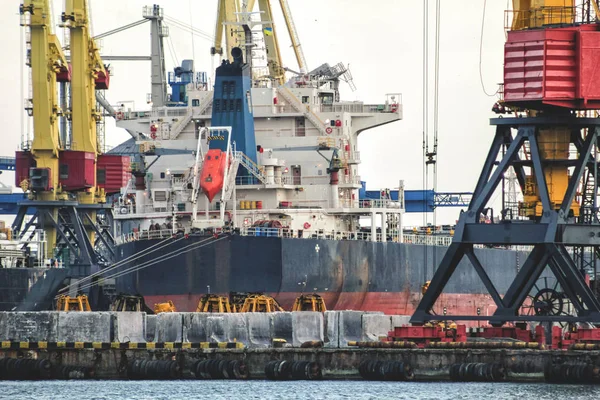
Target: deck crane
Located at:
point(552, 144)
point(46, 60)
point(228, 20)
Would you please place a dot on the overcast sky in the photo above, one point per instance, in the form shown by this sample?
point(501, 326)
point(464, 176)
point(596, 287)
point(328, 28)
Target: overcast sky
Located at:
point(380, 40)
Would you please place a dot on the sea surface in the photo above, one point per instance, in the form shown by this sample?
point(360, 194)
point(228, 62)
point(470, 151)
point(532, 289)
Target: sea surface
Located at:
point(238, 390)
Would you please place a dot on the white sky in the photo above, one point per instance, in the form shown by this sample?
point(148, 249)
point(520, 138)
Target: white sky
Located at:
point(380, 40)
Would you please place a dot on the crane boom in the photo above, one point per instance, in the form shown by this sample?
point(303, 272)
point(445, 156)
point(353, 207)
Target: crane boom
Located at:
point(228, 21)
point(273, 54)
point(226, 18)
point(287, 15)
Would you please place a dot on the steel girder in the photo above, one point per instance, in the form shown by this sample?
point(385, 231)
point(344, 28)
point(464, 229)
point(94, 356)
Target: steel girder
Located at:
point(71, 227)
point(549, 234)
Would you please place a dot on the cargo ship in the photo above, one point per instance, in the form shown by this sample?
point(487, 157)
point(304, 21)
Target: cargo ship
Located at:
point(291, 214)
point(251, 184)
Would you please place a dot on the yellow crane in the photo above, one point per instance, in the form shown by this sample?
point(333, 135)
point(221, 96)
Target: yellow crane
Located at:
point(229, 18)
point(46, 60)
point(88, 74)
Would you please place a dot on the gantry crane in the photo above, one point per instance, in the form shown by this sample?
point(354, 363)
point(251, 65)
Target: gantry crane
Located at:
point(46, 60)
point(62, 182)
point(551, 53)
point(229, 20)
point(88, 74)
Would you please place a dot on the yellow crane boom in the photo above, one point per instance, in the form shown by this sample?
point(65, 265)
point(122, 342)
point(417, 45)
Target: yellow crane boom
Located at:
point(228, 23)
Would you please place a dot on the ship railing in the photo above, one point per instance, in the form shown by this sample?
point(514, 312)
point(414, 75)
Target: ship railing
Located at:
point(317, 234)
point(145, 235)
point(428, 240)
point(349, 180)
point(163, 112)
point(382, 203)
point(446, 240)
point(392, 106)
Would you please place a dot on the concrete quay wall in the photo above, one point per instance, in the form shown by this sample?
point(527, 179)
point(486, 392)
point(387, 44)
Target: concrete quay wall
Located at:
point(428, 364)
point(255, 330)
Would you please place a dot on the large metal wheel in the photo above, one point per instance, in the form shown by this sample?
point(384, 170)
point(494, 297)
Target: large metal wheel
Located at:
point(547, 299)
point(548, 302)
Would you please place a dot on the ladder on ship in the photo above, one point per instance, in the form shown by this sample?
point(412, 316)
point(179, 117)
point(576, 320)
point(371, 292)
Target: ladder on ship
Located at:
point(180, 124)
point(250, 165)
point(303, 108)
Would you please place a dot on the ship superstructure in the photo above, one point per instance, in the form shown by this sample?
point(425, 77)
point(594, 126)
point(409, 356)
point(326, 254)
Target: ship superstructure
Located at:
point(303, 174)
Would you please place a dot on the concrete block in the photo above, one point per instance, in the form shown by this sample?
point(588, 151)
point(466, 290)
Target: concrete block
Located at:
point(282, 326)
point(129, 326)
point(306, 326)
point(77, 326)
point(350, 327)
point(29, 326)
point(215, 328)
point(237, 328)
point(169, 327)
point(259, 329)
point(399, 320)
point(374, 326)
point(194, 327)
point(150, 328)
point(332, 328)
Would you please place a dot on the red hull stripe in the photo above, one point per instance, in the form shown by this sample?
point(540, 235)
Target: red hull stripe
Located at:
point(397, 303)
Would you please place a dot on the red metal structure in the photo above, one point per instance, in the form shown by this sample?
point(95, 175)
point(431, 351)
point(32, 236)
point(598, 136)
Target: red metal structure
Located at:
point(554, 67)
point(112, 172)
point(77, 170)
point(23, 161)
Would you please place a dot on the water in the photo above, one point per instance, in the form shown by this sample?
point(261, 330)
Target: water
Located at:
point(239, 390)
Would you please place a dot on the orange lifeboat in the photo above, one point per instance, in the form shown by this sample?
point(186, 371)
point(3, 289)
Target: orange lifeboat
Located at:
point(213, 173)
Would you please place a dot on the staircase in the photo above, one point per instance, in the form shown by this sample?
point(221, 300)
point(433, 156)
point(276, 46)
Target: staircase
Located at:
point(303, 108)
point(206, 102)
point(181, 123)
point(250, 165)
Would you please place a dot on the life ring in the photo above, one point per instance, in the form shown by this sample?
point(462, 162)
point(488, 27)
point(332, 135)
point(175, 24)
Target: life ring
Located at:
point(394, 107)
point(153, 135)
point(328, 130)
point(306, 225)
point(119, 115)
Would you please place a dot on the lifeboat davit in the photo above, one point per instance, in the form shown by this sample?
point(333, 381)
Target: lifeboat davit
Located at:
point(213, 173)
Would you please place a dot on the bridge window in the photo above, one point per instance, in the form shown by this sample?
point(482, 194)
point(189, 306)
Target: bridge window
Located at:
point(195, 103)
point(217, 105)
point(305, 99)
point(238, 105)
